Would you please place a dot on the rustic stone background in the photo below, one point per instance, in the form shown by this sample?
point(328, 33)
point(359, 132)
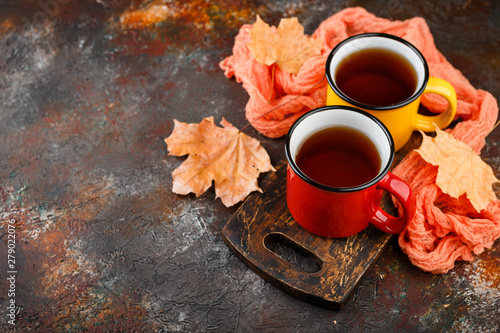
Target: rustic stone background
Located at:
point(102, 243)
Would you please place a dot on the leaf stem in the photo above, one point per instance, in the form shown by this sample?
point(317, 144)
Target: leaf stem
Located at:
point(496, 125)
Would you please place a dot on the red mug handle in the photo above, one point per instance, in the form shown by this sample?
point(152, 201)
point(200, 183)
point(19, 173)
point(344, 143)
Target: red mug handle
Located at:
point(402, 191)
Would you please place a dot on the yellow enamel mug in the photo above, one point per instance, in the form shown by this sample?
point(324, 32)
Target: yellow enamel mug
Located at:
point(401, 117)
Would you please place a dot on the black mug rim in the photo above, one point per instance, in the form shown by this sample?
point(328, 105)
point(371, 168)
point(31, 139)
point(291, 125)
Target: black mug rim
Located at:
point(340, 93)
point(373, 181)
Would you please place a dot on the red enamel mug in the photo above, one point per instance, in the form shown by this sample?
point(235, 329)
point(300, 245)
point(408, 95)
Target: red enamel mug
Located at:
point(336, 212)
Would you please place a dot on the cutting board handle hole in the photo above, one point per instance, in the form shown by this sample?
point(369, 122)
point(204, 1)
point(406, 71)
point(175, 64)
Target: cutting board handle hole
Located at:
point(289, 250)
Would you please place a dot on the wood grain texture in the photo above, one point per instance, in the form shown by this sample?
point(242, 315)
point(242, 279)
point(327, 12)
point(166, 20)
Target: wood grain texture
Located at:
point(343, 262)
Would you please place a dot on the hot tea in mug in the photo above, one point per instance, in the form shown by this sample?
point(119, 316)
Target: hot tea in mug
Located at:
point(376, 77)
point(338, 164)
point(339, 156)
point(386, 76)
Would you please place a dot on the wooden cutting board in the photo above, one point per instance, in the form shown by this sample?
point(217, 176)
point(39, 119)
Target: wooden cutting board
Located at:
point(263, 223)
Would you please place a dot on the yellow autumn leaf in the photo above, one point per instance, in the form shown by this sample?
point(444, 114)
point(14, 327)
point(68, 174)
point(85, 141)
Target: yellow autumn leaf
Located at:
point(287, 46)
point(223, 155)
point(460, 169)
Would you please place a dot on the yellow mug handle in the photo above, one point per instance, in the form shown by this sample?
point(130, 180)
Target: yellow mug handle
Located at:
point(445, 89)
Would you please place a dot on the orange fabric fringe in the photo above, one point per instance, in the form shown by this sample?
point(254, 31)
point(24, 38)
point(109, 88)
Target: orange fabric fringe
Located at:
point(444, 229)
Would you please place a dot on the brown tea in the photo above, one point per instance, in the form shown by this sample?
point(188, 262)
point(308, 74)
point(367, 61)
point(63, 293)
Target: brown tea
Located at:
point(376, 77)
point(339, 157)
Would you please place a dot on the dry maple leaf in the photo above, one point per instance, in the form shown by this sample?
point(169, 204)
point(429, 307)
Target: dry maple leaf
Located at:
point(230, 158)
point(286, 46)
point(460, 169)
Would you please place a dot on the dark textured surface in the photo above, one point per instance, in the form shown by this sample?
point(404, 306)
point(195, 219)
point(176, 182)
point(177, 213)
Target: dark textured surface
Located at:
point(102, 242)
